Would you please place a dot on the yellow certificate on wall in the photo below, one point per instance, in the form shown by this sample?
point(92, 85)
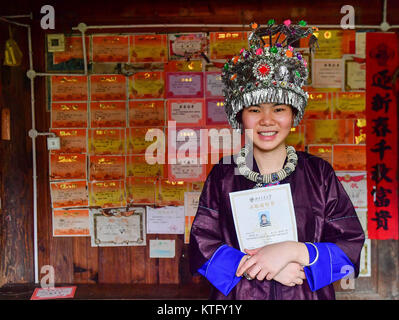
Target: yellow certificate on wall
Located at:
point(137, 166)
point(350, 105)
point(224, 45)
point(149, 48)
point(107, 167)
point(147, 85)
point(140, 190)
point(171, 193)
point(264, 216)
point(107, 141)
point(318, 106)
point(107, 194)
point(136, 140)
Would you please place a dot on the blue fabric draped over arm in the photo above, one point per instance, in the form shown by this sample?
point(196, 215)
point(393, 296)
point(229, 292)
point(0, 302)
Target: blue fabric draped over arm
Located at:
point(220, 270)
point(329, 267)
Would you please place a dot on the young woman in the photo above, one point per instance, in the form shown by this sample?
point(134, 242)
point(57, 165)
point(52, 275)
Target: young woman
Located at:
point(265, 100)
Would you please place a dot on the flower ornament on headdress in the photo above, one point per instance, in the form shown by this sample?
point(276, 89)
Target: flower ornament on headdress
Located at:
point(268, 72)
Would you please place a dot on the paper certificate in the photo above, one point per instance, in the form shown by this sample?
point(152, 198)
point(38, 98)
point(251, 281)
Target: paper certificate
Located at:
point(53, 293)
point(69, 194)
point(182, 46)
point(149, 48)
point(124, 229)
point(68, 88)
point(186, 111)
point(107, 167)
point(108, 87)
point(147, 85)
point(72, 140)
point(108, 114)
point(350, 105)
point(349, 157)
point(215, 114)
point(147, 113)
point(213, 84)
point(67, 166)
point(355, 185)
point(162, 248)
point(318, 106)
point(69, 115)
point(69, 223)
point(107, 194)
point(184, 85)
point(165, 220)
point(264, 216)
point(140, 190)
point(327, 73)
point(110, 48)
point(107, 141)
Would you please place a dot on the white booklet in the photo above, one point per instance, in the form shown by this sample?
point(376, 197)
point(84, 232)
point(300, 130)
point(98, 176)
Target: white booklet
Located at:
point(264, 216)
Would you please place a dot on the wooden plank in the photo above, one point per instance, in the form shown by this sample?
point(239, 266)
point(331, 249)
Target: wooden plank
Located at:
point(114, 265)
point(169, 267)
point(138, 264)
point(80, 263)
point(92, 262)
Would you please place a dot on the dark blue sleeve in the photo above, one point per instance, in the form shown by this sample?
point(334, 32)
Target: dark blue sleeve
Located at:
point(329, 266)
point(220, 269)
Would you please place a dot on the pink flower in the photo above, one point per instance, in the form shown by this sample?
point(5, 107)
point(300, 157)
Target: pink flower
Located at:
point(287, 22)
point(259, 51)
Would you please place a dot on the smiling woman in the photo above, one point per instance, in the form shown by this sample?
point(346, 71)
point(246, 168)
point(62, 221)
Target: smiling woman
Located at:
point(264, 98)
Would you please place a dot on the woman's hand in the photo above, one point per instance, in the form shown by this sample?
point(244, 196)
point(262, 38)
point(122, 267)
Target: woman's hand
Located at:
point(268, 261)
point(291, 275)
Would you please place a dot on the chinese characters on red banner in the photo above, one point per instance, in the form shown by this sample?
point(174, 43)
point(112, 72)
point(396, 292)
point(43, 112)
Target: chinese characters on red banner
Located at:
point(381, 117)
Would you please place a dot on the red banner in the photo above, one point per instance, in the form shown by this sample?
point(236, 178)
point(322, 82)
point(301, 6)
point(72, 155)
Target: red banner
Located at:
point(381, 134)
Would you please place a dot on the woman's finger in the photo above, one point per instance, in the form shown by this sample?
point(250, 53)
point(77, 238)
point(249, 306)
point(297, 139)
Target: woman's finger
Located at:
point(298, 281)
point(245, 266)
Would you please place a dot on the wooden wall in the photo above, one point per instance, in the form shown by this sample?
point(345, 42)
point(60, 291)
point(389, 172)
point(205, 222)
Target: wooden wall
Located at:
point(74, 260)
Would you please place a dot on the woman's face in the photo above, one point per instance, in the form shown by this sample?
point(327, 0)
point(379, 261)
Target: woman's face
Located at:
point(271, 123)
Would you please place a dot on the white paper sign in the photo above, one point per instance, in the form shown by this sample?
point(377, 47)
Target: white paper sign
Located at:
point(165, 220)
point(191, 200)
point(327, 73)
point(264, 216)
point(162, 248)
point(355, 185)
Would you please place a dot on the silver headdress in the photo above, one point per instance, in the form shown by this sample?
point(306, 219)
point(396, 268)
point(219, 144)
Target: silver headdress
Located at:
point(268, 72)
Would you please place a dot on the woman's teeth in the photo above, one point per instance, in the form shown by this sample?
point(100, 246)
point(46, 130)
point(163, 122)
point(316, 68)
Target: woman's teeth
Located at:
point(268, 134)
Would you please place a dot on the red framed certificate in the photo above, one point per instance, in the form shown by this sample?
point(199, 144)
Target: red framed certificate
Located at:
point(72, 140)
point(110, 48)
point(213, 84)
point(108, 87)
point(69, 194)
point(69, 115)
point(68, 88)
point(108, 114)
point(147, 113)
point(215, 114)
point(67, 166)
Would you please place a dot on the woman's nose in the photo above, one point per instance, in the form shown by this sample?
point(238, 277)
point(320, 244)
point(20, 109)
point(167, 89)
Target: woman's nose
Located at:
point(266, 118)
